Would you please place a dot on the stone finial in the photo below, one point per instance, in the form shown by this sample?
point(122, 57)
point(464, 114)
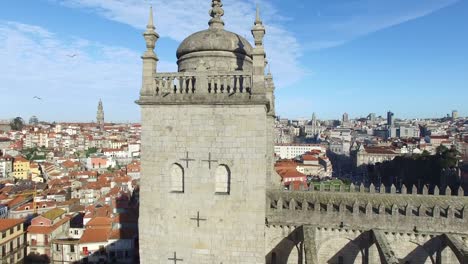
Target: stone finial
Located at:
point(461, 192)
point(372, 188)
point(362, 188)
point(317, 206)
point(342, 208)
point(216, 13)
point(393, 189)
point(381, 209)
point(342, 188)
point(322, 187)
point(305, 205)
point(450, 212)
point(422, 210)
point(394, 210)
point(436, 190)
point(352, 188)
point(150, 34)
point(279, 205)
point(409, 210)
point(436, 211)
point(150, 59)
point(403, 189)
point(382, 188)
point(414, 190)
point(258, 21)
point(356, 208)
point(292, 204)
point(425, 190)
point(448, 191)
point(258, 30)
point(369, 209)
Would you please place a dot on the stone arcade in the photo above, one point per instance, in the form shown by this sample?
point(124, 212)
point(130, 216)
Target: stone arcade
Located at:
point(209, 193)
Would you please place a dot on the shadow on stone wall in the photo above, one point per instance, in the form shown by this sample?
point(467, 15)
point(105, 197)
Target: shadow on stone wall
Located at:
point(281, 253)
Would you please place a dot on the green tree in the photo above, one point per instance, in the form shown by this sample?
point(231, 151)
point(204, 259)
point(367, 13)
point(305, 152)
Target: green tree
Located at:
point(91, 151)
point(17, 124)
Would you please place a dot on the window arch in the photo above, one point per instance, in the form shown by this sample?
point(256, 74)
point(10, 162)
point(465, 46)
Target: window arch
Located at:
point(177, 178)
point(223, 180)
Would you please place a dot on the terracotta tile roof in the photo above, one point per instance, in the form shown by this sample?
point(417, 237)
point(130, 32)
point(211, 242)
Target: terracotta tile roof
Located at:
point(16, 201)
point(6, 224)
point(309, 158)
point(95, 235)
point(99, 222)
point(20, 159)
point(47, 229)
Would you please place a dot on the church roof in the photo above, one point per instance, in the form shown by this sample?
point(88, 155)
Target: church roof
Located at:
point(215, 38)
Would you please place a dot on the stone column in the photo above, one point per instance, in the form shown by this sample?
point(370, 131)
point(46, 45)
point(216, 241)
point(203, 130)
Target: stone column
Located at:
point(310, 246)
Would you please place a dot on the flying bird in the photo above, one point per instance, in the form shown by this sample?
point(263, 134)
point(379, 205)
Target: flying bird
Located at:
point(72, 55)
point(37, 97)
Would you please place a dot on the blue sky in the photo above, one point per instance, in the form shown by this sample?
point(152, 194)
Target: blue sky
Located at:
point(328, 57)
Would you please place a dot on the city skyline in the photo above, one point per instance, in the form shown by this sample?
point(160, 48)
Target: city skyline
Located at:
point(335, 57)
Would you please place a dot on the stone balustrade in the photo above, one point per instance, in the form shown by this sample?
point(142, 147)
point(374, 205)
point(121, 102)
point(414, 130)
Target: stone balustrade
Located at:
point(201, 83)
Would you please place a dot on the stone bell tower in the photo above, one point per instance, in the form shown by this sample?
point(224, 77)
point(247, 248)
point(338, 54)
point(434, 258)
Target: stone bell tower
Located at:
point(206, 148)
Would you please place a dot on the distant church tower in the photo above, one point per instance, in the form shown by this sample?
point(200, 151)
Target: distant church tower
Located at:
point(100, 115)
point(207, 148)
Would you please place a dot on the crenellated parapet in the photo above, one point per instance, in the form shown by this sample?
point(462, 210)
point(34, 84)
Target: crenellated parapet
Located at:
point(368, 210)
point(414, 190)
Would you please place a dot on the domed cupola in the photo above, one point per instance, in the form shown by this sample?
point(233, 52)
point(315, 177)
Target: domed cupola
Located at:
point(215, 48)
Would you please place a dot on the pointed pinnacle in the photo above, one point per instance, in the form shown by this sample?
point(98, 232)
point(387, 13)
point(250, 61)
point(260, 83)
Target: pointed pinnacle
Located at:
point(150, 20)
point(257, 17)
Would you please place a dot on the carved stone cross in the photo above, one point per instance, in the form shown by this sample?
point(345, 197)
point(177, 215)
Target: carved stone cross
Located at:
point(209, 160)
point(175, 259)
point(198, 219)
point(187, 160)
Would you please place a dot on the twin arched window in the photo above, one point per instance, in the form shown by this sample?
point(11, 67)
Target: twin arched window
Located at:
point(222, 179)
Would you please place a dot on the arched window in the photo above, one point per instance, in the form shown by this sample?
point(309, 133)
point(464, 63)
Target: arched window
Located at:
point(177, 178)
point(223, 180)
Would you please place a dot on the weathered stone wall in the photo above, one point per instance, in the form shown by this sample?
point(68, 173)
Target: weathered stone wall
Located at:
point(318, 245)
point(329, 227)
point(369, 210)
point(233, 231)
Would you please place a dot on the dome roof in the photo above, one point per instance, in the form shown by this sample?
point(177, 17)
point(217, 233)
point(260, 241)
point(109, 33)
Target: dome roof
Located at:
point(214, 40)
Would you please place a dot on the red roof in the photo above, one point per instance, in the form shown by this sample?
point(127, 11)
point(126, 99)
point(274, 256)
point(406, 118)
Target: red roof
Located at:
point(100, 222)
point(6, 224)
point(47, 229)
point(95, 235)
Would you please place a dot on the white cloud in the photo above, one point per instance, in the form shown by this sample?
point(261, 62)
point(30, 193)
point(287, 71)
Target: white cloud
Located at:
point(177, 19)
point(362, 17)
point(38, 62)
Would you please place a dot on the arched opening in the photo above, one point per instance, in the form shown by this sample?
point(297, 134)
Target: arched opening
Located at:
point(273, 258)
point(223, 180)
point(177, 178)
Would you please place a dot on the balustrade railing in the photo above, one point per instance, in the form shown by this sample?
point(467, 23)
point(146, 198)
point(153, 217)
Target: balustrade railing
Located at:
point(201, 83)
